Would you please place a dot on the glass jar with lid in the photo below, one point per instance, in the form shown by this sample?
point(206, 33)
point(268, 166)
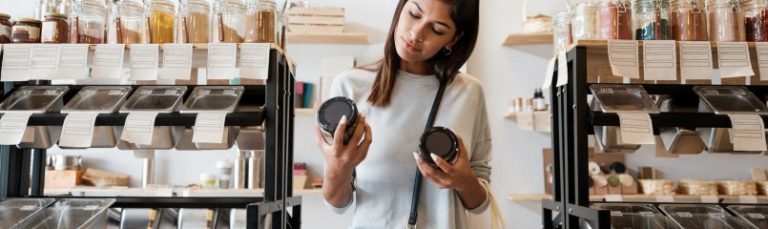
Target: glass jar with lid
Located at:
point(614, 19)
point(196, 17)
point(5, 28)
point(261, 22)
point(26, 30)
point(726, 20)
point(63, 7)
point(689, 20)
point(230, 21)
point(91, 22)
point(561, 30)
point(584, 21)
point(131, 22)
point(651, 20)
point(162, 14)
point(55, 29)
point(755, 20)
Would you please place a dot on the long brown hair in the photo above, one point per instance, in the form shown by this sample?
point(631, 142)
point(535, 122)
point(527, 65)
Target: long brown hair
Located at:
point(465, 14)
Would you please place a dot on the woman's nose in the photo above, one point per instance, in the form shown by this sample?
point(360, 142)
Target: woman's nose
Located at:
point(417, 33)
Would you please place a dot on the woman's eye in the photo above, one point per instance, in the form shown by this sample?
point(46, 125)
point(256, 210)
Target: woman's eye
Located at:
point(437, 31)
point(413, 15)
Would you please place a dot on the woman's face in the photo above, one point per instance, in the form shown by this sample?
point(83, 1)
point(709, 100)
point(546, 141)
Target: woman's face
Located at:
point(425, 28)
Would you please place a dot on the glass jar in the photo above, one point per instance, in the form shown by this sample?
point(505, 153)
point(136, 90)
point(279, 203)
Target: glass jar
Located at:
point(726, 20)
point(91, 22)
point(161, 21)
point(561, 30)
point(584, 21)
point(196, 18)
point(5, 28)
point(55, 29)
point(614, 20)
point(131, 22)
point(26, 30)
point(230, 21)
point(755, 20)
point(63, 7)
point(260, 22)
point(689, 20)
point(651, 20)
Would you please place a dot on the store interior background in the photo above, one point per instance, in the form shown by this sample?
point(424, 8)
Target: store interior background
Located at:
point(507, 72)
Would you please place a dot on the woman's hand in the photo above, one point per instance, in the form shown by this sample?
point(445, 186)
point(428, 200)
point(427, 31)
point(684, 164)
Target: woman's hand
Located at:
point(341, 160)
point(458, 176)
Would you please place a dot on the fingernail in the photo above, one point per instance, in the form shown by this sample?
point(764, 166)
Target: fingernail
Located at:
point(343, 119)
point(415, 156)
point(434, 157)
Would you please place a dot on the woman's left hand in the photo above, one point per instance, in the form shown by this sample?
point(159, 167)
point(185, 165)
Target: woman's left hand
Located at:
point(458, 176)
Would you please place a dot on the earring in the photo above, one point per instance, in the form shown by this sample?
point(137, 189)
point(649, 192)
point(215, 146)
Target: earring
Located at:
point(447, 52)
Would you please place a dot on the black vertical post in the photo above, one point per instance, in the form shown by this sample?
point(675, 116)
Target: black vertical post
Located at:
point(38, 172)
point(11, 172)
point(579, 87)
point(271, 126)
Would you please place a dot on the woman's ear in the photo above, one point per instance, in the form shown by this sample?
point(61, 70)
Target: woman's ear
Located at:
point(453, 42)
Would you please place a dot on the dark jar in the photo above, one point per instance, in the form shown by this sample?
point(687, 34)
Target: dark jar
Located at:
point(5, 28)
point(440, 141)
point(26, 30)
point(55, 29)
point(330, 114)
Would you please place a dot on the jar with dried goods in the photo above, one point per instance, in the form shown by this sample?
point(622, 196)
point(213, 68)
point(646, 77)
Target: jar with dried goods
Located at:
point(196, 17)
point(755, 20)
point(230, 21)
point(614, 19)
point(55, 29)
point(651, 20)
point(726, 20)
point(91, 22)
point(63, 7)
point(561, 30)
point(689, 20)
point(26, 30)
point(131, 22)
point(162, 21)
point(260, 22)
point(584, 21)
point(5, 28)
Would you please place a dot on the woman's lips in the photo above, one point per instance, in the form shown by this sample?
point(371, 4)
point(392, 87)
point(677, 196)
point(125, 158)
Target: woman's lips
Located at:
point(410, 46)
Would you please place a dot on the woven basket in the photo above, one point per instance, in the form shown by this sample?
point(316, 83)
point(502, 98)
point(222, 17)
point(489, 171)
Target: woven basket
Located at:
point(738, 187)
point(697, 187)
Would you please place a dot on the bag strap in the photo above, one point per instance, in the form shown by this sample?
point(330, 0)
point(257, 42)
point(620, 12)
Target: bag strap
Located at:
point(418, 178)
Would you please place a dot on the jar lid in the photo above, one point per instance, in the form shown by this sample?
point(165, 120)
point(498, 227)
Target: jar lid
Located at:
point(5, 16)
point(331, 111)
point(56, 15)
point(29, 20)
point(440, 141)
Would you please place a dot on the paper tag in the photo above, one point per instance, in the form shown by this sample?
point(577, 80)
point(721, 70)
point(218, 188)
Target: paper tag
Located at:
point(177, 61)
point(613, 198)
point(617, 214)
point(710, 199)
point(549, 73)
point(91, 208)
point(28, 207)
point(660, 60)
point(139, 127)
point(16, 61)
point(73, 62)
point(636, 128)
point(646, 214)
point(695, 60)
point(748, 133)
point(221, 61)
point(45, 60)
point(665, 199)
point(525, 120)
point(748, 199)
point(756, 216)
point(623, 57)
point(684, 214)
point(761, 48)
point(12, 127)
point(734, 59)
point(209, 127)
point(254, 61)
point(108, 61)
point(562, 69)
point(77, 130)
point(144, 59)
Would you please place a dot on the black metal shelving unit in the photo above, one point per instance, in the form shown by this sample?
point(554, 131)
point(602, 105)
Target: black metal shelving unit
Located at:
point(22, 171)
point(572, 123)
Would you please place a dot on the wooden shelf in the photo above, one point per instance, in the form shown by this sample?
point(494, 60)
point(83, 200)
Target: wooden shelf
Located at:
point(528, 39)
point(538, 122)
point(529, 197)
point(305, 111)
point(320, 38)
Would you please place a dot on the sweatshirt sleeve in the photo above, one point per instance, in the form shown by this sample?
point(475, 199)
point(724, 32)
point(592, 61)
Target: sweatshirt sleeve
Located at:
point(480, 160)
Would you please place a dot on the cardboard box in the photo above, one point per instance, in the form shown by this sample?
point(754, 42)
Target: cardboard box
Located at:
point(63, 178)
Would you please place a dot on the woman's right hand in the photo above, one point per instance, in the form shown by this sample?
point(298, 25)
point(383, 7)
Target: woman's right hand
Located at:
point(340, 157)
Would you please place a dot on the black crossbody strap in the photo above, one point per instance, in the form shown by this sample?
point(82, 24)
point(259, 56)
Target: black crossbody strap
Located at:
point(418, 178)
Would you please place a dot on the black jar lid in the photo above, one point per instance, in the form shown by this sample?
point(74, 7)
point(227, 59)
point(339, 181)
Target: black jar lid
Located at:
point(331, 111)
point(440, 141)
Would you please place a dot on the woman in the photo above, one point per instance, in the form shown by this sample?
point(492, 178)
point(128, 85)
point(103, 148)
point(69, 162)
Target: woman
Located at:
point(428, 42)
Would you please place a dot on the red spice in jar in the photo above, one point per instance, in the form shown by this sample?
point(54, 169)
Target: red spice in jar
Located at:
point(5, 28)
point(756, 27)
point(614, 20)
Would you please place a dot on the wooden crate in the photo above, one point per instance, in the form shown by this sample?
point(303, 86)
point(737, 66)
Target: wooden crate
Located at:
point(316, 20)
point(63, 178)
